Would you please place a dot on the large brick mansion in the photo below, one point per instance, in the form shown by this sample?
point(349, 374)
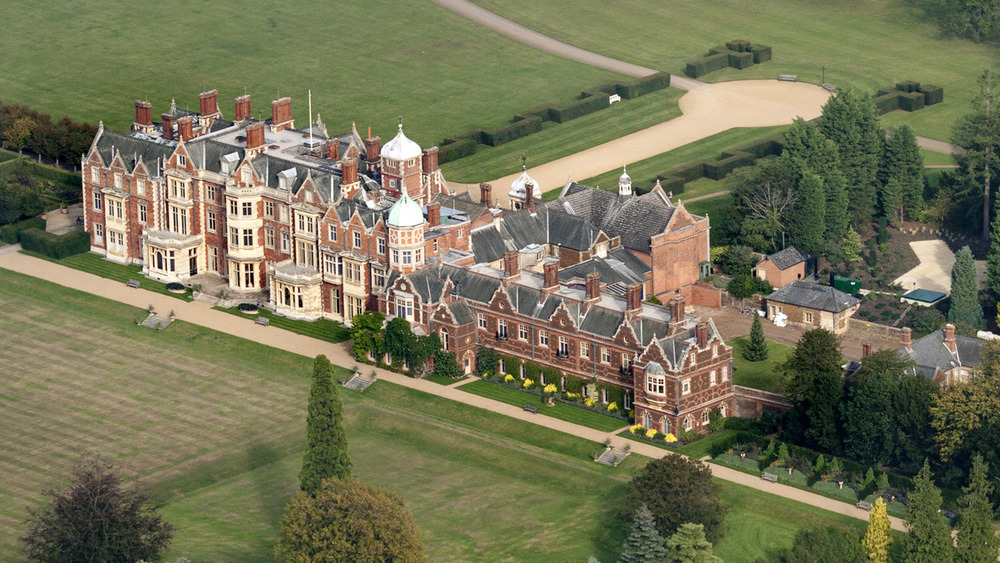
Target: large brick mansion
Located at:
point(316, 226)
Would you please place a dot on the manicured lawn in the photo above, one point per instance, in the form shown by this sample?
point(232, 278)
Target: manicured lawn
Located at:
point(364, 62)
point(864, 45)
point(323, 329)
point(561, 411)
point(215, 425)
point(443, 380)
point(557, 140)
point(713, 207)
point(935, 158)
point(764, 375)
point(697, 449)
point(644, 172)
point(97, 265)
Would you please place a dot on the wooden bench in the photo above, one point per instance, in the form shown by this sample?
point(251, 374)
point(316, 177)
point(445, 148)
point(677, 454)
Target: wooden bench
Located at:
point(829, 87)
point(533, 409)
point(864, 505)
point(263, 321)
point(788, 78)
point(134, 284)
point(769, 477)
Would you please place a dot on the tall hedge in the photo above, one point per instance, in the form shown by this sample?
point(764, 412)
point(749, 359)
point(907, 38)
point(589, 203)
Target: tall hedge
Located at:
point(643, 86)
point(712, 63)
point(55, 246)
point(10, 233)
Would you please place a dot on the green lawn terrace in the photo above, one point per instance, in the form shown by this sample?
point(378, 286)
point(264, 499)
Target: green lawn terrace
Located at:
point(364, 62)
point(865, 46)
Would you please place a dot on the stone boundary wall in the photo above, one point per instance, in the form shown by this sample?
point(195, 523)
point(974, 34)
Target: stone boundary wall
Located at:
point(750, 403)
point(875, 329)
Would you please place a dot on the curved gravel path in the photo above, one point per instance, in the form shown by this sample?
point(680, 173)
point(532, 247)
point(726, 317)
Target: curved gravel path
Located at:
point(202, 314)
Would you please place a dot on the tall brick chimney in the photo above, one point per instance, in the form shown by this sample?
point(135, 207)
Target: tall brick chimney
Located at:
point(433, 214)
point(332, 149)
point(550, 270)
point(486, 194)
point(866, 350)
point(209, 102)
point(906, 338)
point(949, 338)
point(430, 159)
point(350, 169)
point(185, 128)
point(529, 197)
point(373, 145)
point(242, 107)
point(281, 114)
point(255, 137)
point(511, 264)
point(593, 286)
point(701, 334)
point(677, 309)
point(143, 116)
point(633, 299)
point(168, 126)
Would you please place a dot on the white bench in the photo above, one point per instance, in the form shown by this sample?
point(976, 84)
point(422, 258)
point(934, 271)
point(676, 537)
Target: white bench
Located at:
point(864, 505)
point(134, 284)
point(614, 98)
point(262, 321)
point(788, 78)
point(769, 477)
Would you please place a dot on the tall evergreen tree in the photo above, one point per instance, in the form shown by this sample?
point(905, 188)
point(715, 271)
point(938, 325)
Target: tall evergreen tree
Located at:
point(809, 151)
point(979, 133)
point(756, 348)
point(852, 245)
point(891, 199)
point(878, 537)
point(993, 258)
point(929, 540)
point(809, 217)
point(850, 121)
point(869, 427)
point(814, 385)
point(977, 539)
point(644, 544)
point(901, 160)
point(965, 308)
point(688, 545)
point(326, 441)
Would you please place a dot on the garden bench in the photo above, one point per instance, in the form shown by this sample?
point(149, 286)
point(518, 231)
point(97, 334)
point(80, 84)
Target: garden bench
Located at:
point(531, 408)
point(134, 284)
point(788, 78)
point(769, 477)
point(262, 321)
point(864, 505)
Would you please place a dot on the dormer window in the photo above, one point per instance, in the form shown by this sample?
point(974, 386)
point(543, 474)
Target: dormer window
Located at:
point(656, 384)
point(285, 179)
point(228, 163)
point(118, 181)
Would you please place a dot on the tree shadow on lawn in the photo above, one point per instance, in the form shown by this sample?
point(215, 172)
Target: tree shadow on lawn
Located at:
point(609, 535)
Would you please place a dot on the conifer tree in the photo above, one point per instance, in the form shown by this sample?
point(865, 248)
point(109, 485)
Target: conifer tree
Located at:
point(929, 540)
point(993, 258)
point(809, 219)
point(878, 537)
point(850, 121)
point(815, 387)
point(902, 161)
point(892, 201)
point(852, 245)
point(977, 539)
point(979, 133)
point(326, 441)
point(688, 545)
point(644, 544)
point(965, 307)
point(756, 348)
point(807, 151)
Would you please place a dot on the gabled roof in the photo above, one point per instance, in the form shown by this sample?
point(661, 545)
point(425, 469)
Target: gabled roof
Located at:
point(132, 148)
point(787, 258)
point(930, 352)
point(611, 271)
point(488, 244)
point(602, 322)
point(813, 296)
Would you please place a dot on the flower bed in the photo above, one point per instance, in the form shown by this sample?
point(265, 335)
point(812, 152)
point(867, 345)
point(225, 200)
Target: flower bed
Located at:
point(832, 489)
point(737, 462)
point(175, 287)
point(529, 385)
point(248, 308)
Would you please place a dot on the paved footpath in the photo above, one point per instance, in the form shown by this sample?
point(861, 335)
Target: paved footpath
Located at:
point(200, 313)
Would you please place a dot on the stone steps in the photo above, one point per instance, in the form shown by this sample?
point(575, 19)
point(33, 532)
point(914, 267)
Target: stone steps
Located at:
point(359, 383)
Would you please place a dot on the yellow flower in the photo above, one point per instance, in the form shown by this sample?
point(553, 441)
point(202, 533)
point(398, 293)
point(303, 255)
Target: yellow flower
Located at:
point(527, 383)
point(635, 428)
point(612, 407)
point(651, 433)
point(590, 401)
point(670, 438)
point(509, 378)
point(551, 388)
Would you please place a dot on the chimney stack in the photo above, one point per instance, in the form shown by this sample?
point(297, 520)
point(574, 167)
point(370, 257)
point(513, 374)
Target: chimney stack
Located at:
point(511, 264)
point(281, 114)
point(350, 169)
point(185, 128)
point(255, 137)
point(168, 126)
point(373, 145)
point(677, 309)
point(209, 102)
point(486, 194)
point(866, 350)
point(430, 160)
point(433, 214)
point(949, 338)
point(701, 334)
point(550, 269)
point(906, 338)
point(332, 149)
point(593, 286)
point(242, 107)
point(529, 197)
point(633, 298)
point(143, 116)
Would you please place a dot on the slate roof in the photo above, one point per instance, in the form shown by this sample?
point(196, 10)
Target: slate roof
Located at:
point(488, 244)
point(602, 322)
point(813, 296)
point(132, 149)
point(461, 312)
point(787, 258)
point(930, 352)
point(611, 271)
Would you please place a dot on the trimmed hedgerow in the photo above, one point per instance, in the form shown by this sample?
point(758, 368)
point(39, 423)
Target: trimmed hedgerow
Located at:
point(738, 54)
point(712, 63)
point(908, 86)
point(911, 101)
point(932, 94)
point(740, 60)
point(460, 148)
point(508, 133)
point(886, 103)
point(593, 102)
point(738, 45)
point(55, 246)
point(643, 86)
point(10, 233)
point(761, 53)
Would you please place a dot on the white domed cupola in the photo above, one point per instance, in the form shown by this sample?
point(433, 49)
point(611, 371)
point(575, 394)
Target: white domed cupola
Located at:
point(406, 235)
point(400, 147)
point(519, 189)
point(624, 185)
point(400, 164)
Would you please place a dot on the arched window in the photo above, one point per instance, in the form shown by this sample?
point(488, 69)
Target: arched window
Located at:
point(665, 423)
point(705, 417)
point(288, 297)
point(159, 260)
point(688, 423)
point(647, 420)
point(722, 410)
point(444, 339)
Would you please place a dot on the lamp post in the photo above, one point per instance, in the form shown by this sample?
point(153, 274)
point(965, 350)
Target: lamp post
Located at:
point(824, 74)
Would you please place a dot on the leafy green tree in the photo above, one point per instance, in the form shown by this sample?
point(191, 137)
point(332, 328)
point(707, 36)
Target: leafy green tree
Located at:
point(19, 202)
point(814, 386)
point(445, 364)
point(755, 349)
point(977, 539)
point(824, 545)
point(677, 490)
point(348, 520)
point(965, 308)
point(367, 338)
point(849, 120)
point(18, 135)
point(911, 414)
point(808, 222)
point(688, 545)
point(979, 133)
point(96, 519)
point(487, 361)
point(326, 441)
point(739, 260)
point(929, 539)
point(972, 19)
point(643, 544)
point(901, 161)
point(851, 246)
point(808, 151)
point(869, 429)
point(764, 198)
point(878, 537)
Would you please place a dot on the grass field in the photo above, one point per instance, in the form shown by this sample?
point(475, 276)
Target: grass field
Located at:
point(367, 62)
point(557, 140)
point(561, 411)
point(864, 45)
point(764, 375)
point(323, 329)
point(216, 425)
point(97, 265)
